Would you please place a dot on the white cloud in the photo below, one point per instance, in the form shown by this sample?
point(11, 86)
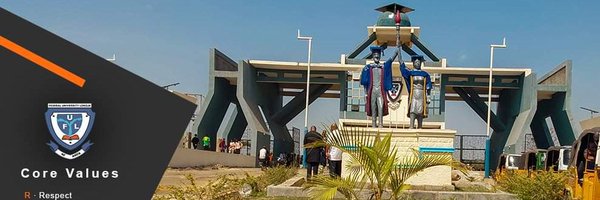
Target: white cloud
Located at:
point(463, 57)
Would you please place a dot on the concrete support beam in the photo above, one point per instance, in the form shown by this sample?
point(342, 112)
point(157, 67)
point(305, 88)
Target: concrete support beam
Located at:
point(259, 140)
point(214, 109)
point(509, 108)
point(238, 126)
point(562, 126)
point(554, 102)
point(247, 95)
point(220, 95)
point(226, 124)
point(474, 101)
point(408, 50)
point(282, 140)
point(343, 93)
point(296, 105)
point(362, 46)
point(525, 117)
point(415, 40)
point(541, 133)
point(554, 108)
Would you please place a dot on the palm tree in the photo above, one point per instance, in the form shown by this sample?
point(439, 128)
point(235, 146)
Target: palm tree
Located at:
point(373, 160)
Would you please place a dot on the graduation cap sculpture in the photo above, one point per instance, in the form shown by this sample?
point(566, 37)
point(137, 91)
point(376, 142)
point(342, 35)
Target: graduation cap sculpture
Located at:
point(377, 49)
point(394, 15)
point(417, 57)
point(395, 7)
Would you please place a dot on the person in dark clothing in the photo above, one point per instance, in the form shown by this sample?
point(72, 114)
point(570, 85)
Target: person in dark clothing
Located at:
point(195, 141)
point(290, 160)
point(324, 152)
point(221, 145)
point(589, 157)
point(313, 154)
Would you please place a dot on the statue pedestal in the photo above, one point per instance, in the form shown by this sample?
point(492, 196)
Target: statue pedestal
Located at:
point(438, 141)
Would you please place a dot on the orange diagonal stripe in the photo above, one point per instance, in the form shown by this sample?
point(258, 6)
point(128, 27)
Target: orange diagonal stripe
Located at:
point(50, 66)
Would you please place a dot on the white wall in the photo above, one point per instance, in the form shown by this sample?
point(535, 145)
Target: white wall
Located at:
point(192, 158)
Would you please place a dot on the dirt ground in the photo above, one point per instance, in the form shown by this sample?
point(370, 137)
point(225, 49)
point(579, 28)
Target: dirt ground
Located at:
point(203, 175)
point(176, 177)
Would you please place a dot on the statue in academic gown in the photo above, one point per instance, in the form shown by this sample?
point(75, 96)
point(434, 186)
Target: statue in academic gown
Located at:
point(377, 81)
point(418, 85)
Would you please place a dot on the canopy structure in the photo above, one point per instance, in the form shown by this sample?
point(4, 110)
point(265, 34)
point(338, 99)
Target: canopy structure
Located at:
point(257, 88)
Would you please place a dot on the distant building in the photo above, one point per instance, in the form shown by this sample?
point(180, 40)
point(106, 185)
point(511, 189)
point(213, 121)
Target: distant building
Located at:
point(590, 123)
point(192, 127)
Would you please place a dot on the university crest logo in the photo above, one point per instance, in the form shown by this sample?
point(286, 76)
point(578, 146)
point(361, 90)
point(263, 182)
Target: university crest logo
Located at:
point(396, 91)
point(69, 125)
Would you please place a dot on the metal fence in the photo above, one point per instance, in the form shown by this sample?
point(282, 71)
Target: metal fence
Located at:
point(529, 143)
point(470, 149)
point(296, 136)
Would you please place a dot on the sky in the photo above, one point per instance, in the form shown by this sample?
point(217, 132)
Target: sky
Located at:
point(168, 41)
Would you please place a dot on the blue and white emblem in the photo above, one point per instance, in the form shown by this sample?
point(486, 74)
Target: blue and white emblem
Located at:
point(69, 125)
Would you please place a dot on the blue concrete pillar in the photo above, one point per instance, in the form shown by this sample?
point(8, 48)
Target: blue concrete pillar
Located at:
point(487, 158)
point(302, 149)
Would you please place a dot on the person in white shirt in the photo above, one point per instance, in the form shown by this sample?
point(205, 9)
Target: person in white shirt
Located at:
point(238, 147)
point(231, 146)
point(262, 157)
point(335, 155)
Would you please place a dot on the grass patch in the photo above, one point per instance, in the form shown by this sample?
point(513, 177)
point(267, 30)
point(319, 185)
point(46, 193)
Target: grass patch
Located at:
point(227, 186)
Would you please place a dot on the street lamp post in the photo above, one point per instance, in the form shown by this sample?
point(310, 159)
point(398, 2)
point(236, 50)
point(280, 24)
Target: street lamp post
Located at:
point(590, 110)
point(114, 58)
point(489, 111)
point(307, 76)
point(307, 93)
point(166, 87)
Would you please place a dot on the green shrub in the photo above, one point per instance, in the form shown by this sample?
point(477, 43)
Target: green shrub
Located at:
point(537, 185)
point(279, 175)
point(224, 187)
point(271, 176)
point(227, 186)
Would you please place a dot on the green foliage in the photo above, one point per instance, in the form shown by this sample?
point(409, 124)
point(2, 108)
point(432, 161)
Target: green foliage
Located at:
point(224, 187)
point(373, 160)
point(227, 186)
point(409, 166)
point(278, 175)
point(271, 176)
point(537, 185)
point(330, 186)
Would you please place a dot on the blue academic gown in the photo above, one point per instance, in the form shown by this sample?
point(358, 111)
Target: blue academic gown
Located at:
point(365, 81)
point(407, 74)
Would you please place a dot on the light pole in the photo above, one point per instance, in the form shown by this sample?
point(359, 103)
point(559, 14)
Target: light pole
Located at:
point(166, 87)
point(307, 94)
point(114, 58)
point(590, 110)
point(307, 77)
point(489, 111)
